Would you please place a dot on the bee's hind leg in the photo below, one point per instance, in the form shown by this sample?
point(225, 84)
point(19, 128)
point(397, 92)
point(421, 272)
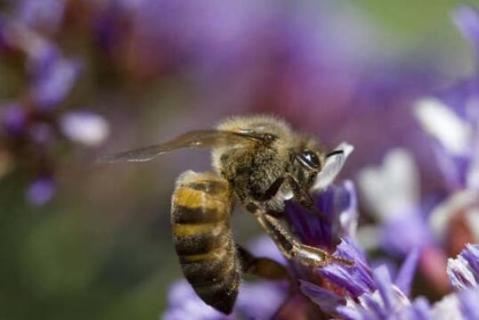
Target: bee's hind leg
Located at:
point(262, 267)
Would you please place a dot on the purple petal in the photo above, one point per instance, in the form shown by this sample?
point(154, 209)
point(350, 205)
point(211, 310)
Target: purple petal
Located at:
point(463, 271)
point(406, 273)
point(336, 216)
point(468, 303)
point(327, 300)
point(453, 168)
point(372, 309)
point(311, 227)
point(356, 279)
point(384, 285)
point(348, 205)
point(349, 313)
point(419, 310)
point(41, 191)
point(471, 254)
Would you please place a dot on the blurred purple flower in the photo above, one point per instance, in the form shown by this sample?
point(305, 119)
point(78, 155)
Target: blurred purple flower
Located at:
point(52, 77)
point(391, 191)
point(467, 20)
point(41, 190)
point(185, 304)
point(14, 119)
point(44, 15)
point(36, 118)
point(83, 127)
point(453, 136)
point(264, 247)
point(259, 300)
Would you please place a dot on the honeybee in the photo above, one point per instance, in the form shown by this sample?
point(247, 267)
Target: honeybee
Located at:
point(260, 162)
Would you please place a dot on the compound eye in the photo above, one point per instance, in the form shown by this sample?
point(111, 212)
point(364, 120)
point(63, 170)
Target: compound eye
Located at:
point(309, 159)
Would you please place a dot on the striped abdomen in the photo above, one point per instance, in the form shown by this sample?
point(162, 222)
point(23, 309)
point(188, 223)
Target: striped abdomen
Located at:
point(201, 208)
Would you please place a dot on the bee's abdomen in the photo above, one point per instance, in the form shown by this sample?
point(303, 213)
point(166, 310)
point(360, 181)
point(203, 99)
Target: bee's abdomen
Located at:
point(201, 208)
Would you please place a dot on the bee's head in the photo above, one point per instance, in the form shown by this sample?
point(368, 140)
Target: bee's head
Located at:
point(314, 168)
point(307, 161)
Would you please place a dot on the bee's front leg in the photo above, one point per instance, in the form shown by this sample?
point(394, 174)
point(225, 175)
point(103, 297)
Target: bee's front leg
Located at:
point(290, 246)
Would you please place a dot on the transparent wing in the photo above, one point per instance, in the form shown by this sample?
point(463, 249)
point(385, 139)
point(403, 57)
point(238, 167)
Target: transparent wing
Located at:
point(192, 139)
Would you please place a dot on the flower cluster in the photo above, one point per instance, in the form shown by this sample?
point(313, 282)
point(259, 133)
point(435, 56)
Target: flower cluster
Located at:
point(36, 121)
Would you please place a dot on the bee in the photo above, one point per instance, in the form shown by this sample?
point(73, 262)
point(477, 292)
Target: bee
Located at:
point(260, 162)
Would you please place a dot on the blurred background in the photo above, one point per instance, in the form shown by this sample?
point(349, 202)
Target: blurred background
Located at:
point(82, 78)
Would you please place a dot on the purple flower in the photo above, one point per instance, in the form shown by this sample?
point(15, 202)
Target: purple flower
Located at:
point(420, 309)
point(338, 205)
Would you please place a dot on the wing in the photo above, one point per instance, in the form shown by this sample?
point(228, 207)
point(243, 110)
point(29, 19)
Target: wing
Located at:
point(192, 139)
